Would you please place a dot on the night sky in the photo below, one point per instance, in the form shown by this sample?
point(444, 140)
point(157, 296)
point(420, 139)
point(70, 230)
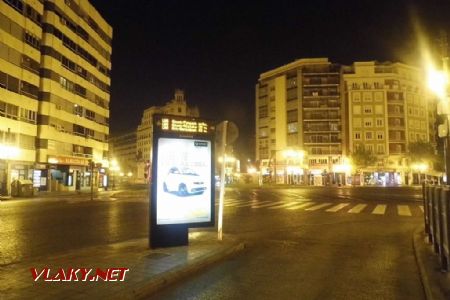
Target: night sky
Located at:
point(215, 50)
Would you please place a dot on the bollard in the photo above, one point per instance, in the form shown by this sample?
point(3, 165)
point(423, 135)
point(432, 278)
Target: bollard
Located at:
point(426, 200)
point(430, 213)
point(444, 255)
point(435, 219)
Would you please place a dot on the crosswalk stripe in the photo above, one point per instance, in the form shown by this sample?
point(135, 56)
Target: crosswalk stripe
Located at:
point(403, 210)
point(380, 209)
point(252, 203)
point(421, 207)
point(237, 203)
point(283, 205)
point(316, 207)
point(301, 205)
point(267, 205)
point(357, 208)
point(337, 207)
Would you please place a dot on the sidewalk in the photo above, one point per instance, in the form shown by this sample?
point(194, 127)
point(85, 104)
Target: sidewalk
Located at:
point(149, 270)
point(435, 282)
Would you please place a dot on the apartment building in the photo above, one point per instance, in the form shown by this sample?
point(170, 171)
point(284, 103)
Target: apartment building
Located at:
point(55, 91)
point(20, 31)
point(176, 106)
point(388, 109)
point(300, 116)
point(73, 123)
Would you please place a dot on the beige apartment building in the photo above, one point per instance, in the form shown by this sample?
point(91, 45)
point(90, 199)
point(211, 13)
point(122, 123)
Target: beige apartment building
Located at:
point(73, 124)
point(311, 114)
point(300, 116)
point(389, 108)
point(176, 106)
point(55, 93)
point(20, 32)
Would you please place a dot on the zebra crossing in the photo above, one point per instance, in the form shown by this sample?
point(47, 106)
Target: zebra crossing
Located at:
point(344, 207)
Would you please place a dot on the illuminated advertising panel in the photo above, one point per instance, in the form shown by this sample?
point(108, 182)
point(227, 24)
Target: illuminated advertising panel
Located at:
point(184, 181)
point(182, 191)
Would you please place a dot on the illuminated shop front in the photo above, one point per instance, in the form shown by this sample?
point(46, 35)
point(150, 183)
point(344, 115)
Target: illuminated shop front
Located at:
point(63, 173)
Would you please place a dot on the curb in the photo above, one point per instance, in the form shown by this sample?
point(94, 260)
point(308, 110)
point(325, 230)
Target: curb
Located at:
point(180, 272)
point(432, 291)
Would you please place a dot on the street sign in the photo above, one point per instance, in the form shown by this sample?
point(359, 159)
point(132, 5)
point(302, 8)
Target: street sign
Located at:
point(182, 178)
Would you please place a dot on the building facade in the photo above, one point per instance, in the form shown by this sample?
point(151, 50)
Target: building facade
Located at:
point(300, 109)
point(312, 114)
point(388, 110)
point(176, 106)
point(56, 91)
point(21, 31)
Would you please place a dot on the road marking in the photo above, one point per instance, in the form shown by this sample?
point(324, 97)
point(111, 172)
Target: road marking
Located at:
point(316, 207)
point(236, 203)
point(403, 210)
point(357, 208)
point(380, 209)
point(337, 207)
point(301, 205)
point(421, 207)
point(253, 203)
point(283, 205)
point(267, 205)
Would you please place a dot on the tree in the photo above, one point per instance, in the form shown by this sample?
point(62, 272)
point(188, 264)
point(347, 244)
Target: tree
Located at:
point(423, 152)
point(362, 158)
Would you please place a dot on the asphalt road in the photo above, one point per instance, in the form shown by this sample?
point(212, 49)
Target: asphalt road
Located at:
point(350, 244)
point(306, 243)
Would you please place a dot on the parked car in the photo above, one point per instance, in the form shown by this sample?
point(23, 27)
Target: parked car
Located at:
point(183, 182)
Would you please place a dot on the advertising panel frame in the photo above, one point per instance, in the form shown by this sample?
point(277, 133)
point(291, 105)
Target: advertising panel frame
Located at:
point(179, 129)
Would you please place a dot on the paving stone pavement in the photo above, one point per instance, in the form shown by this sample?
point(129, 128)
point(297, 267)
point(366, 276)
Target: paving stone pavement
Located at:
point(149, 269)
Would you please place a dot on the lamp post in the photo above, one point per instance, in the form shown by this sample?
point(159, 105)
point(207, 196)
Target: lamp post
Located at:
point(438, 83)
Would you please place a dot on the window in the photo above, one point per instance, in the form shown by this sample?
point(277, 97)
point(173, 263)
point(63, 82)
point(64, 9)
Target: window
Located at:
point(369, 135)
point(368, 122)
point(380, 149)
point(368, 109)
point(357, 135)
point(380, 135)
point(369, 148)
point(292, 115)
point(379, 122)
point(356, 97)
point(378, 96)
point(263, 113)
point(292, 127)
point(367, 97)
point(263, 131)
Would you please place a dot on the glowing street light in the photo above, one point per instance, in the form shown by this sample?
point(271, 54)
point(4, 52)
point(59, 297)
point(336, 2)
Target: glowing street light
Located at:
point(8, 152)
point(437, 82)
